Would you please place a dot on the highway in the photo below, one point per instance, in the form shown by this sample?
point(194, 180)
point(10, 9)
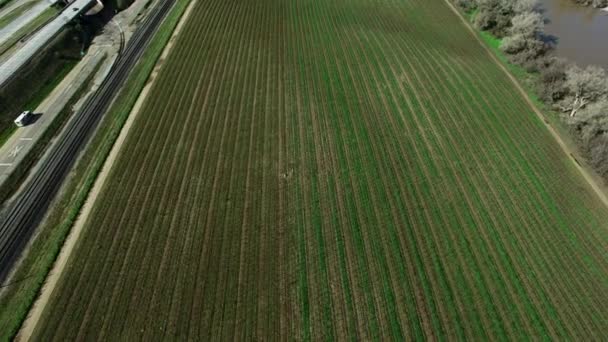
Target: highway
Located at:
point(23, 215)
point(41, 38)
point(16, 149)
point(20, 22)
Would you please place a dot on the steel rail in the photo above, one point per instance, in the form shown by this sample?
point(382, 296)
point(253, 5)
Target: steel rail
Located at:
point(24, 213)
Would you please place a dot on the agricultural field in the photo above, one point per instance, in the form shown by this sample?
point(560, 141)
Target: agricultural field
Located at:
point(333, 169)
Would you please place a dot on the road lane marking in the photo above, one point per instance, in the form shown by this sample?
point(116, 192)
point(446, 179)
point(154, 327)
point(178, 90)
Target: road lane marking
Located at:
point(27, 139)
point(6, 164)
point(15, 151)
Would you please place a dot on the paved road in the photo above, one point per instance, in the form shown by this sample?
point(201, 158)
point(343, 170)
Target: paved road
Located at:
point(21, 142)
point(40, 39)
point(23, 215)
point(10, 29)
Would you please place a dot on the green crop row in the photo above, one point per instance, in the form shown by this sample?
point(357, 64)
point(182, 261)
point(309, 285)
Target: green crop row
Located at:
point(328, 170)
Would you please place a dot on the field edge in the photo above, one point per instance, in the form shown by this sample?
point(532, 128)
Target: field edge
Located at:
point(35, 268)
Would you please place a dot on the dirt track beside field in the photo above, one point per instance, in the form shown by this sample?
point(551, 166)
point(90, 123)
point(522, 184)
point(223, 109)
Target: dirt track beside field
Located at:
point(51, 282)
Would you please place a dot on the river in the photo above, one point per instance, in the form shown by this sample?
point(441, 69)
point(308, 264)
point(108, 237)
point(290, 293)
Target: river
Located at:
point(582, 32)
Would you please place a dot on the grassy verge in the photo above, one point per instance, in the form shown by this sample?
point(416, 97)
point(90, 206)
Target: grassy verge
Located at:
point(16, 178)
point(51, 84)
point(31, 27)
point(37, 98)
point(35, 83)
point(31, 273)
point(6, 134)
point(15, 13)
point(525, 78)
point(4, 3)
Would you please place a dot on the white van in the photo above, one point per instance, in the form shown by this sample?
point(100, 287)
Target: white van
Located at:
point(24, 118)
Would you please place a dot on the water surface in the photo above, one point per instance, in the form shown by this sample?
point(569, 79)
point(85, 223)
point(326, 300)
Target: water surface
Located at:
point(582, 32)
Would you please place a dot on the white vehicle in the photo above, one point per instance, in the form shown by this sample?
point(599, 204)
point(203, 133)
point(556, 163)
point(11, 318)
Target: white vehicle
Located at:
point(24, 118)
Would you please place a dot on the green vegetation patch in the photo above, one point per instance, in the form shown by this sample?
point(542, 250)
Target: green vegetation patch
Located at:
point(3, 3)
point(32, 26)
point(15, 13)
point(348, 170)
point(37, 81)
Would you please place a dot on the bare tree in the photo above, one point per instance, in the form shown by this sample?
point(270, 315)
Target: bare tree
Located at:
point(595, 3)
point(530, 24)
point(598, 154)
point(595, 114)
point(551, 85)
point(466, 5)
point(524, 44)
point(583, 93)
point(496, 15)
point(591, 127)
point(525, 6)
point(585, 86)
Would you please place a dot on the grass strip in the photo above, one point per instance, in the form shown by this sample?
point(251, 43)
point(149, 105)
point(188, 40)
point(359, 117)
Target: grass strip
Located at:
point(3, 3)
point(15, 13)
point(18, 298)
point(31, 27)
point(6, 134)
point(51, 84)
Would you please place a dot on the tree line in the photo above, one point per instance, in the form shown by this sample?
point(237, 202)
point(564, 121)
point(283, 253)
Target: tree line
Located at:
point(580, 94)
point(594, 3)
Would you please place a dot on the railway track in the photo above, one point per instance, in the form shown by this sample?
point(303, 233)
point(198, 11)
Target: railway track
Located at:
point(24, 213)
